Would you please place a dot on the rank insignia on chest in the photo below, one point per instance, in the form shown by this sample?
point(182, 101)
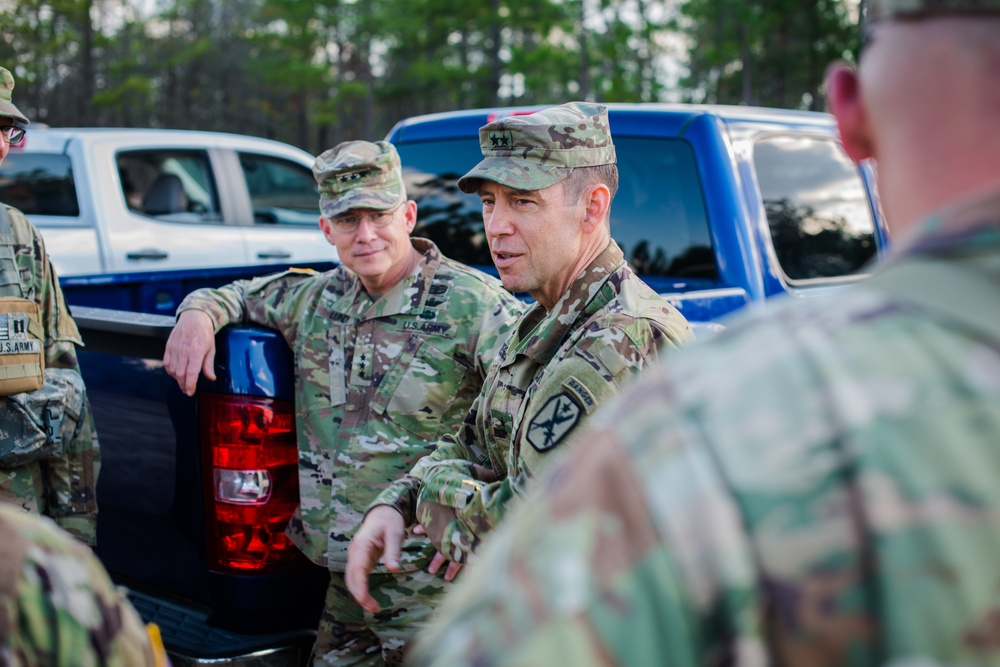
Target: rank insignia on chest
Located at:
point(557, 417)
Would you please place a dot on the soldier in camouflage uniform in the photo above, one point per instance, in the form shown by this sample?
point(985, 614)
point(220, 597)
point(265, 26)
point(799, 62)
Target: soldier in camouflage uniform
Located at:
point(63, 487)
point(820, 484)
point(58, 608)
point(391, 348)
point(546, 184)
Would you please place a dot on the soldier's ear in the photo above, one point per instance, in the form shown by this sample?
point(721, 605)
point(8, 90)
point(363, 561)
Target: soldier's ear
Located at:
point(327, 229)
point(846, 103)
point(598, 201)
point(410, 211)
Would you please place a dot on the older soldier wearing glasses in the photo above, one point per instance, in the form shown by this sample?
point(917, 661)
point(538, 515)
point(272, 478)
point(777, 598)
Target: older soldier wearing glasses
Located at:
point(54, 472)
point(392, 347)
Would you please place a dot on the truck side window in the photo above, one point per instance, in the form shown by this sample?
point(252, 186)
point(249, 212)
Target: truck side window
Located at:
point(658, 216)
point(281, 192)
point(817, 209)
point(169, 185)
point(39, 184)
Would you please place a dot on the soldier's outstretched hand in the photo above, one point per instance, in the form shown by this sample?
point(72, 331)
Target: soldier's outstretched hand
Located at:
point(191, 350)
point(380, 536)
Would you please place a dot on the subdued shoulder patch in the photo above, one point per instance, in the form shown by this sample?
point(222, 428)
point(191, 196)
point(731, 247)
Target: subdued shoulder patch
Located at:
point(557, 417)
point(582, 394)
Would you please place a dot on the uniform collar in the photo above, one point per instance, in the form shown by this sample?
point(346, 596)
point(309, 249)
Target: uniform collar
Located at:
point(408, 295)
point(540, 333)
point(968, 227)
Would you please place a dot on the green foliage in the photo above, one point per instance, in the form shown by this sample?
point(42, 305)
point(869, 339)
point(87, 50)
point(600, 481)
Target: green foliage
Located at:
point(314, 73)
point(764, 52)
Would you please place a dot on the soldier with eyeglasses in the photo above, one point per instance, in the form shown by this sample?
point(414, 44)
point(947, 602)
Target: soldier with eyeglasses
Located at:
point(391, 349)
point(49, 453)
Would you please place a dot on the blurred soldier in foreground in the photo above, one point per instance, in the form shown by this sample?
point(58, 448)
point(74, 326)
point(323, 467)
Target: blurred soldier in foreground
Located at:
point(58, 608)
point(49, 455)
point(546, 184)
point(820, 484)
point(392, 347)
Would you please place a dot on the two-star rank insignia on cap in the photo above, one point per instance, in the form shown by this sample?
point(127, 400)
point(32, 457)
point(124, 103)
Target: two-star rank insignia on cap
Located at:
point(550, 424)
point(501, 139)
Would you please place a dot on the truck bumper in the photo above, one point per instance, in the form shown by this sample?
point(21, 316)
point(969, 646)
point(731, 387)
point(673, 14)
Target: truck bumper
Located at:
point(191, 640)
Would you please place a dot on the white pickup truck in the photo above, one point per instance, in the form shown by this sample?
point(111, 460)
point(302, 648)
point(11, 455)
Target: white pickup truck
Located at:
point(129, 200)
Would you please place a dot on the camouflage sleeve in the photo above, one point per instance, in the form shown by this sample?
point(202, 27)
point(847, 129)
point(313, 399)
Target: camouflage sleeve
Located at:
point(71, 480)
point(588, 573)
point(59, 606)
point(497, 323)
point(269, 301)
point(457, 508)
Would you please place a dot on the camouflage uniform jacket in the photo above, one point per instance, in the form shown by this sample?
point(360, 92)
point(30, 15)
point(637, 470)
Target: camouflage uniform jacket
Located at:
point(57, 605)
point(818, 485)
point(377, 380)
point(66, 488)
point(554, 371)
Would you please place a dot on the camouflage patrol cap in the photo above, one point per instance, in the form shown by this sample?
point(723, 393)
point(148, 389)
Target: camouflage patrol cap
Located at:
point(880, 10)
point(535, 151)
point(359, 174)
point(7, 107)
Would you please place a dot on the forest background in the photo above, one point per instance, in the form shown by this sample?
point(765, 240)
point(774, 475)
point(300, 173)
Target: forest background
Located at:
point(316, 72)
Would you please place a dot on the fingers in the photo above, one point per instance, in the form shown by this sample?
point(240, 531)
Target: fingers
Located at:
point(436, 563)
point(190, 350)
point(380, 535)
point(361, 558)
point(419, 530)
point(452, 571)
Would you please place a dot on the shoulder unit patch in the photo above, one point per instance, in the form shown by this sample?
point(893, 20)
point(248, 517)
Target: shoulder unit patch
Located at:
point(556, 418)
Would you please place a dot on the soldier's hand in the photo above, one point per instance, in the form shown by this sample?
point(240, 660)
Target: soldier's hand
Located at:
point(380, 536)
point(451, 572)
point(191, 350)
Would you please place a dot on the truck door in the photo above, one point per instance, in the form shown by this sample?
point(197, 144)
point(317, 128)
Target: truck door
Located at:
point(282, 225)
point(170, 201)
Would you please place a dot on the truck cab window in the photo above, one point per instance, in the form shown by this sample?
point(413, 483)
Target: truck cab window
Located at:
point(281, 192)
point(172, 186)
point(817, 210)
point(39, 184)
point(658, 216)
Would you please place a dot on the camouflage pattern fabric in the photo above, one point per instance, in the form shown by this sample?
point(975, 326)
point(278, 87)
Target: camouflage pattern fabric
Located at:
point(541, 149)
point(7, 107)
point(377, 382)
point(348, 635)
point(63, 488)
point(58, 608)
point(818, 485)
point(555, 370)
point(879, 10)
point(359, 174)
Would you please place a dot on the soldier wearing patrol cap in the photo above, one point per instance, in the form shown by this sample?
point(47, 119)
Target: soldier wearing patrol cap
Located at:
point(820, 484)
point(392, 347)
point(546, 183)
point(49, 454)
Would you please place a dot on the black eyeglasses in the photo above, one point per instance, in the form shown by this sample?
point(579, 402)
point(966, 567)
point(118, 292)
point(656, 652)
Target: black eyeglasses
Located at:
point(351, 221)
point(11, 133)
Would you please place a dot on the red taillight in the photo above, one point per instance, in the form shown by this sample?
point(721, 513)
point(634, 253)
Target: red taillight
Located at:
point(250, 464)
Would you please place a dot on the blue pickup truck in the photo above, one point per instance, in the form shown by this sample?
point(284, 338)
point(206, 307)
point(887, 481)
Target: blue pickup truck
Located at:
point(719, 208)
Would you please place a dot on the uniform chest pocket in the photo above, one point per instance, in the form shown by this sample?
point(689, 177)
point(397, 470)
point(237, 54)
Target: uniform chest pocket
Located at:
point(320, 372)
point(420, 389)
